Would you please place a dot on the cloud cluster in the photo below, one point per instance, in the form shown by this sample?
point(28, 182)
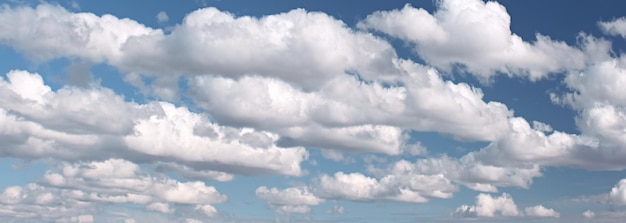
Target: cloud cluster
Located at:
point(617, 27)
point(70, 192)
point(289, 200)
point(474, 36)
point(270, 86)
point(504, 205)
point(94, 124)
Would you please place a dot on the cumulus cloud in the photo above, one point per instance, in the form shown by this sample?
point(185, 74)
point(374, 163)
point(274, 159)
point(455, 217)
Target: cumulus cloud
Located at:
point(525, 145)
point(316, 81)
point(351, 115)
point(95, 123)
point(208, 41)
point(595, 93)
point(66, 34)
point(75, 189)
point(541, 211)
point(404, 187)
point(589, 214)
point(289, 200)
point(618, 193)
point(616, 27)
point(475, 35)
point(404, 181)
point(466, 171)
point(504, 205)
point(488, 206)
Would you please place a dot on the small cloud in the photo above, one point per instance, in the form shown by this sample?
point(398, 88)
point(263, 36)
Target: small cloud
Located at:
point(541, 211)
point(415, 149)
point(540, 126)
point(162, 17)
point(75, 5)
point(336, 209)
point(589, 214)
point(332, 155)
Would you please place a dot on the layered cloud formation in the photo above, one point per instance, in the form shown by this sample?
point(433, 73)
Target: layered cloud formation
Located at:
point(228, 96)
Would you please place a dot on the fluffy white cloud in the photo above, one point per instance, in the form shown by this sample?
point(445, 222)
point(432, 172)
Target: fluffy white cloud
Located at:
point(476, 35)
point(289, 200)
point(504, 205)
point(596, 93)
point(600, 82)
point(617, 27)
point(396, 186)
point(314, 44)
point(71, 190)
point(299, 55)
point(465, 171)
point(94, 123)
point(488, 206)
point(525, 145)
point(54, 32)
point(541, 211)
point(589, 214)
point(618, 193)
point(122, 181)
point(161, 207)
point(352, 115)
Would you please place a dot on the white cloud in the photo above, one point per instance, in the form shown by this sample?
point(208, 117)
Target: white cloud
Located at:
point(618, 193)
point(476, 35)
point(160, 207)
point(191, 220)
point(208, 41)
point(351, 115)
point(396, 186)
point(541, 211)
point(12, 195)
point(78, 219)
point(589, 214)
point(333, 155)
point(336, 209)
point(190, 173)
point(504, 205)
point(524, 145)
point(595, 93)
point(289, 200)
point(75, 123)
point(215, 42)
point(56, 33)
point(162, 17)
point(466, 171)
point(206, 209)
point(83, 188)
point(488, 206)
point(616, 27)
point(543, 127)
point(598, 83)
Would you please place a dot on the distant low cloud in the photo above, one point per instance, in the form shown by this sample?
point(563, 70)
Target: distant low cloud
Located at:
point(589, 214)
point(489, 207)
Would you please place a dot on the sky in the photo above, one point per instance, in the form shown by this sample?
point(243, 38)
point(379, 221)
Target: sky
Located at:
point(311, 111)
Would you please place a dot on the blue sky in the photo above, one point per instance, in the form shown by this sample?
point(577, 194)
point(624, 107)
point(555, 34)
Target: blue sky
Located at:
point(306, 111)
